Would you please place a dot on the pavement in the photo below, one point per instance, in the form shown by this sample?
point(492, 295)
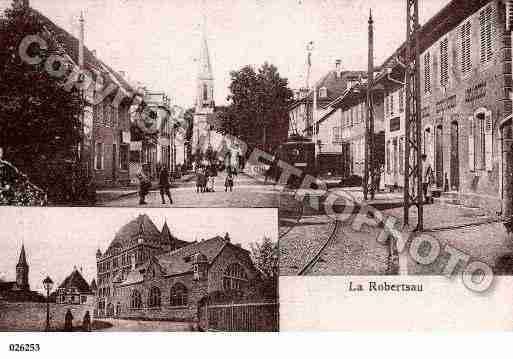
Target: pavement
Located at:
point(248, 192)
point(349, 252)
point(122, 325)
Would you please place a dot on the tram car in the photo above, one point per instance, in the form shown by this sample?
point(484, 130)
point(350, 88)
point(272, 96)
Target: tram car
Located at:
point(300, 155)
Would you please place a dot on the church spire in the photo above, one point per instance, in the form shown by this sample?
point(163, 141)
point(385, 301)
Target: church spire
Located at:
point(205, 66)
point(23, 259)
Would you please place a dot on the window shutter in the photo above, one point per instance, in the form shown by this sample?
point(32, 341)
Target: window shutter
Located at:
point(444, 62)
point(488, 141)
point(471, 156)
point(509, 15)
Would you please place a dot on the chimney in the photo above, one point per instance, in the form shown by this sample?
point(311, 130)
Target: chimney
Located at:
point(81, 42)
point(94, 53)
point(338, 64)
point(123, 74)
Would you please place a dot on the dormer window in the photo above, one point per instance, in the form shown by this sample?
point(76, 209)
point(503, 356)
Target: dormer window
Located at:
point(323, 92)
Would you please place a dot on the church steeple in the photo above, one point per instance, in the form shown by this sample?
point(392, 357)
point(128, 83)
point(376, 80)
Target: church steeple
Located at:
point(22, 271)
point(205, 91)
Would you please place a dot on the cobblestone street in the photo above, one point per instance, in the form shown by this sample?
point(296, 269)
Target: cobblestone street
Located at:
point(247, 193)
point(350, 252)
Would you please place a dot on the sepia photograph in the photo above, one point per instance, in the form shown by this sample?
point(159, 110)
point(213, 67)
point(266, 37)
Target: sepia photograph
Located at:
point(170, 165)
point(115, 270)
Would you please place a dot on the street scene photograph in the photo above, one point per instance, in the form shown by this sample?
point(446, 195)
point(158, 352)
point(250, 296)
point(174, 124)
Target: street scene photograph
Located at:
point(133, 270)
point(385, 145)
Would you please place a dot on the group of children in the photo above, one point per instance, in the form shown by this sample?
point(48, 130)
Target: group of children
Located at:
point(205, 179)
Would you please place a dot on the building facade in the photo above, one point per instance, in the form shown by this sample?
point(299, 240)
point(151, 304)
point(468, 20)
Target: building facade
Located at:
point(75, 290)
point(147, 273)
point(342, 131)
point(465, 73)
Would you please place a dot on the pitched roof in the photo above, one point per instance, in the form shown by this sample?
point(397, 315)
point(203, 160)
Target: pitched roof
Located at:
point(22, 261)
point(70, 46)
point(128, 235)
point(169, 239)
point(181, 260)
point(93, 285)
point(76, 280)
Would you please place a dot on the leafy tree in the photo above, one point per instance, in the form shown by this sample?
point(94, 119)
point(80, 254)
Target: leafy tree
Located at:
point(265, 256)
point(40, 119)
point(258, 111)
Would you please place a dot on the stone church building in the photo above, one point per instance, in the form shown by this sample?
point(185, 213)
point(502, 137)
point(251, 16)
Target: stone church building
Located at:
point(150, 274)
point(19, 290)
point(204, 133)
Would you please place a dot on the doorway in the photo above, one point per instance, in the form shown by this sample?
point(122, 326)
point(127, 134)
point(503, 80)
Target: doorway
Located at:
point(455, 161)
point(114, 162)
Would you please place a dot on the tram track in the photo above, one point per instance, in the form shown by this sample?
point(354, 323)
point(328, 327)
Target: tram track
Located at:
point(307, 268)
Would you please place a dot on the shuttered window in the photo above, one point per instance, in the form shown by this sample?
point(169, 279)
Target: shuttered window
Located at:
point(427, 73)
point(481, 142)
point(466, 43)
point(486, 29)
point(444, 62)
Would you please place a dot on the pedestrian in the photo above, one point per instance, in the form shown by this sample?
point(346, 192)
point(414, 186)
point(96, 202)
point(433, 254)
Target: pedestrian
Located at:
point(164, 185)
point(212, 176)
point(86, 323)
point(427, 176)
point(228, 183)
point(144, 187)
point(68, 321)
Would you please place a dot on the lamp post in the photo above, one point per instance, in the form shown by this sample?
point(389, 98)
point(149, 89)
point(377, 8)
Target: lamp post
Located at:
point(48, 283)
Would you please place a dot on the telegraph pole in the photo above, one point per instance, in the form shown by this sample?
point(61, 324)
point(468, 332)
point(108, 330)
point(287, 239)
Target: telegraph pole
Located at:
point(413, 195)
point(368, 176)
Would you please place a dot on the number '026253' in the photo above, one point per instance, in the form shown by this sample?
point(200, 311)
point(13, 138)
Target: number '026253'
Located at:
point(24, 347)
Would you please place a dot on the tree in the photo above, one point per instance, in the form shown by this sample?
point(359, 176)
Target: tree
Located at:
point(258, 102)
point(40, 118)
point(265, 256)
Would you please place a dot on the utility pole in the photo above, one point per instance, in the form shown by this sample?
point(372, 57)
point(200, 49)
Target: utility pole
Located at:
point(369, 163)
point(412, 154)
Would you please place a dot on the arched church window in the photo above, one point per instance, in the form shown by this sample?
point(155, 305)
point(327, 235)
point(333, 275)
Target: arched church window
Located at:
point(154, 298)
point(135, 300)
point(178, 296)
point(234, 277)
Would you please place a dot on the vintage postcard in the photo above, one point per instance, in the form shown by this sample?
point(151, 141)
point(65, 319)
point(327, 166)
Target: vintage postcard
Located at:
point(170, 165)
point(89, 269)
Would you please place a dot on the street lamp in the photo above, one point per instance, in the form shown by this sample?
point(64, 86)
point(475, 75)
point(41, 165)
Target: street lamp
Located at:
point(48, 283)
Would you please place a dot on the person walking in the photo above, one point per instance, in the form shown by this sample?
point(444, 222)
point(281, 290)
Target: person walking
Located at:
point(228, 183)
point(164, 185)
point(144, 187)
point(68, 321)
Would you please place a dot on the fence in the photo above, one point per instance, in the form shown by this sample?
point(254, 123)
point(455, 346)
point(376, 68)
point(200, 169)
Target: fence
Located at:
point(243, 317)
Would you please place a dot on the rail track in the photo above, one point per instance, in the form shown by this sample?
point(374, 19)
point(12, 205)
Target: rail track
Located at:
point(335, 232)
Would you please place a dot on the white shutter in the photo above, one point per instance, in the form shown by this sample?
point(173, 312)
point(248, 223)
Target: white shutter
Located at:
point(488, 141)
point(471, 159)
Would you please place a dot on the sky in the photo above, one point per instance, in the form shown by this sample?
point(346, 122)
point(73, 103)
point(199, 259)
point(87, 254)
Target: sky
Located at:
point(157, 42)
point(57, 239)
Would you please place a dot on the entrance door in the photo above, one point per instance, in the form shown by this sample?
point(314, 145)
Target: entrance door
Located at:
point(114, 162)
point(455, 161)
point(439, 157)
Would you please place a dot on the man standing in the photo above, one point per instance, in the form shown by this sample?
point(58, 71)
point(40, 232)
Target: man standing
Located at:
point(427, 174)
point(164, 185)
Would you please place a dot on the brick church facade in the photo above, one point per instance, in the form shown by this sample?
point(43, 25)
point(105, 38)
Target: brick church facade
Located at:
point(149, 274)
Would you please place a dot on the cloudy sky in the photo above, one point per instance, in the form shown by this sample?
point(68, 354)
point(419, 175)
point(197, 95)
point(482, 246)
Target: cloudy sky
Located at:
point(57, 239)
point(157, 41)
